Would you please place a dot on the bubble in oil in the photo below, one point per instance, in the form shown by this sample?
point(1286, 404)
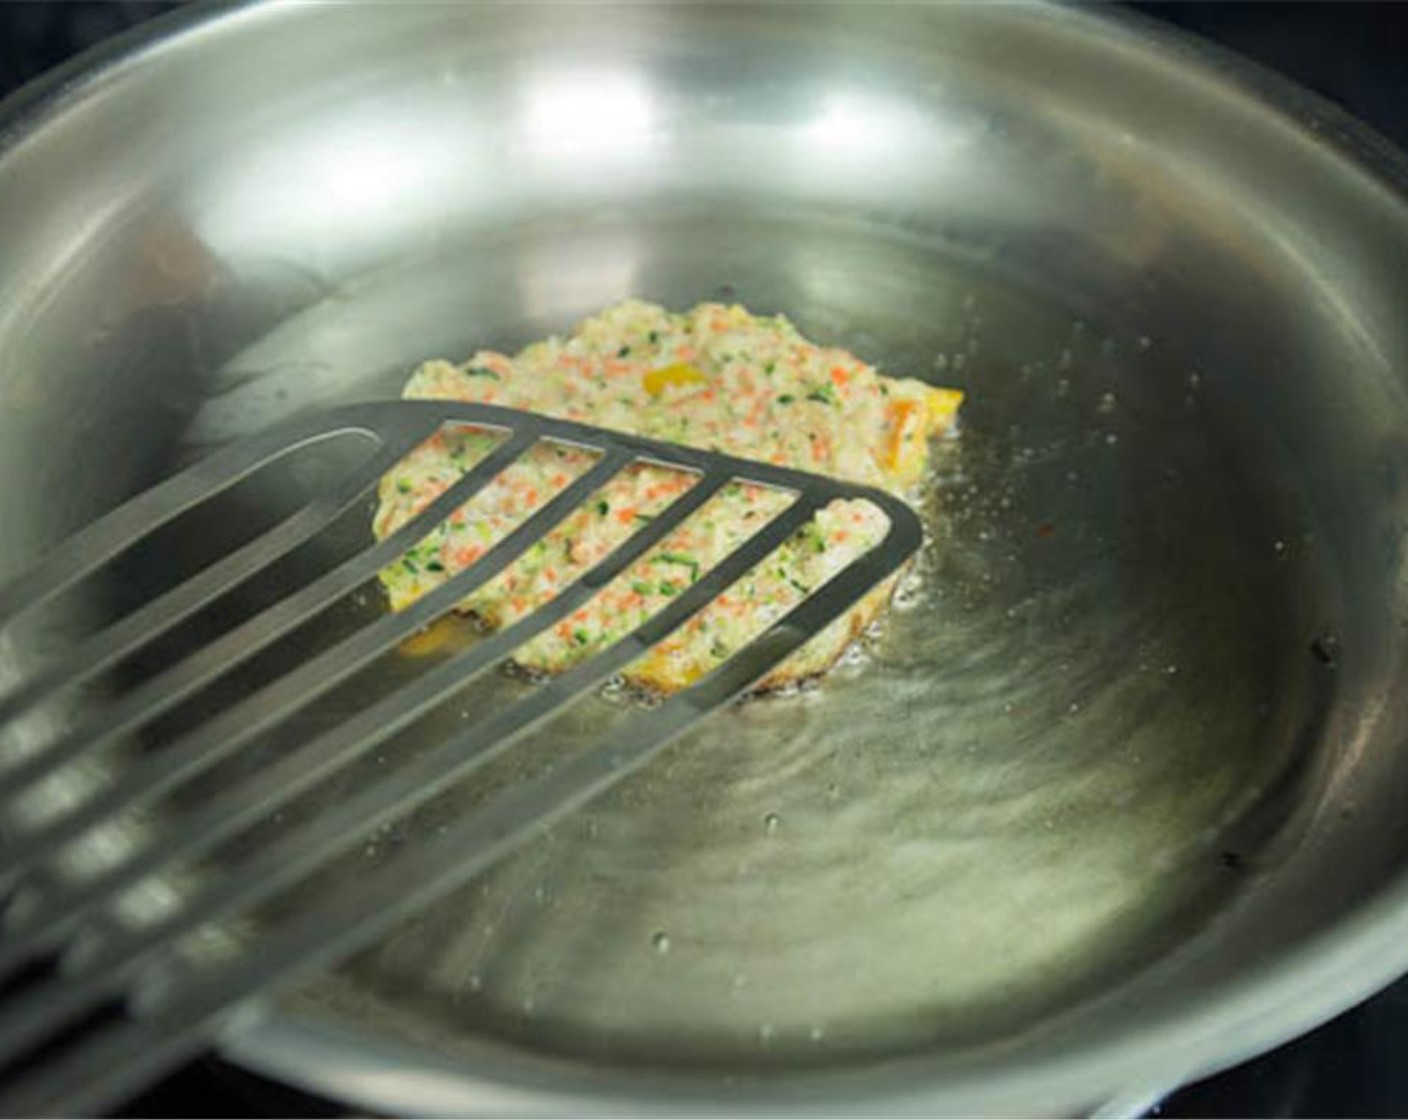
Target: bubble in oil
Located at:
point(771, 822)
point(817, 1033)
point(660, 943)
point(910, 592)
point(1106, 404)
point(853, 656)
point(476, 982)
point(615, 691)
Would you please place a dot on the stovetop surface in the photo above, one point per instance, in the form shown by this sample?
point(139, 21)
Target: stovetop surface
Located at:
point(1353, 53)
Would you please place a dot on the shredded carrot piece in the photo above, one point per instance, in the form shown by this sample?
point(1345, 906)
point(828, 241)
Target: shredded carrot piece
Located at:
point(905, 420)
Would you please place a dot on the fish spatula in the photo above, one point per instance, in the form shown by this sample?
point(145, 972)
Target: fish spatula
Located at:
point(93, 1005)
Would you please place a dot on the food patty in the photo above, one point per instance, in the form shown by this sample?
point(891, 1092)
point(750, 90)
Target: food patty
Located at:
point(717, 378)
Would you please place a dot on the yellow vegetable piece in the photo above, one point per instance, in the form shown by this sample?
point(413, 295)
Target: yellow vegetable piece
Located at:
point(680, 373)
point(942, 408)
point(441, 635)
point(666, 670)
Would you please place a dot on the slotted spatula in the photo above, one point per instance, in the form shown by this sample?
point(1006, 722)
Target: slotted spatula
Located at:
point(92, 1006)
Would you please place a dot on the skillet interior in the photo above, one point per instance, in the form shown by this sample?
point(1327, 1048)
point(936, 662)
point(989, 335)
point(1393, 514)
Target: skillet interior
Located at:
point(1098, 757)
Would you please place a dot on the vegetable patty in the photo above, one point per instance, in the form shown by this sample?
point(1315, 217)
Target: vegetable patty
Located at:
point(717, 378)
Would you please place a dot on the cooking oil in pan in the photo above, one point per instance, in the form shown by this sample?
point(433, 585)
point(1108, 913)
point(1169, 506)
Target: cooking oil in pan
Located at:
point(1047, 767)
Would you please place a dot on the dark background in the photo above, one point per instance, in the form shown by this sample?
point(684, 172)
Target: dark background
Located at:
point(1353, 53)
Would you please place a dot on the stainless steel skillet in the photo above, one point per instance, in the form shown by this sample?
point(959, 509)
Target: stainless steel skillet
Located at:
point(897, 893)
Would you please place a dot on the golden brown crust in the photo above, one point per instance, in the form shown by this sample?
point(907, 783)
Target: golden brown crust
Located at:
point(658, 675)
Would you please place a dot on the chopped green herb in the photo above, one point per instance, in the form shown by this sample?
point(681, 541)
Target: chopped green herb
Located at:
point(654, 337)
point(640, 587)
point(435, 566)
point(770, 368)
point(802, 587)
point(581, 636)
point(826, 394)
point(786, 398)
point(410, 565)
point(403, 486)
point(603, 508)
point(481, 371)
point(684, 561)
point(624, 352)
point(669, 587)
